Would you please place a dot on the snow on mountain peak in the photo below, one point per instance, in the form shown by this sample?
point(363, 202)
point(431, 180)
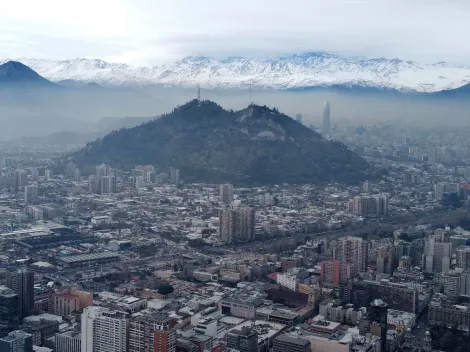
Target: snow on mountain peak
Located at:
point(296, 71)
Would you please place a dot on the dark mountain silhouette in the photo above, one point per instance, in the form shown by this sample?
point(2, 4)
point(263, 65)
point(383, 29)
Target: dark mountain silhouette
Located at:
point(14, 73)
point(255, 145)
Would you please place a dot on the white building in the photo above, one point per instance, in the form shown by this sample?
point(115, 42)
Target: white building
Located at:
point(103, 330)
point(226, 193)
point(69, 341)
point(287, 280)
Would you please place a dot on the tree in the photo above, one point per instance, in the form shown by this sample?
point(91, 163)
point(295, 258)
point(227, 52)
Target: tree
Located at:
point(165, 289)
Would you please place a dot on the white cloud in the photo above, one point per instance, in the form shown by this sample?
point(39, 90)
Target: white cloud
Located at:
point(156, 31)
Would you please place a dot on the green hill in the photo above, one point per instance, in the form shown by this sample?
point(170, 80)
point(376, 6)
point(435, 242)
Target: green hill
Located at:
point(256, 145)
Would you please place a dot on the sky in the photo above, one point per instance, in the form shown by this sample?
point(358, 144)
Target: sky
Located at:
point(151, 32)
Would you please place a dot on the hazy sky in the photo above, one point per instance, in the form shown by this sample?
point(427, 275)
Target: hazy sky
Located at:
point(144, 32)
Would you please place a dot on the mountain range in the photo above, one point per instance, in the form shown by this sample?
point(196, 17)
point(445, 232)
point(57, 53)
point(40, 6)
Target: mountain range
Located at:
point(255, 145)
point(290, 72)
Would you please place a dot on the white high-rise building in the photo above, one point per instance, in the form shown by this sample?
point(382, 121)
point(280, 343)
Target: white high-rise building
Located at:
point(104, 330)
point(48, 174)
point(226, 193)
point(326, 120)
point(30, 194)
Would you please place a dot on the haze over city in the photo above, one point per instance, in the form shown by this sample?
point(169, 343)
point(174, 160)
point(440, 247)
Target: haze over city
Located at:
point(234, 176)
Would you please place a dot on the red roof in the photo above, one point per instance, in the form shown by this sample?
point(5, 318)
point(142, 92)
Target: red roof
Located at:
point(273, 276)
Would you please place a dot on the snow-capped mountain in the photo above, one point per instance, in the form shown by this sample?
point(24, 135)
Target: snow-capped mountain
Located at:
point(297, 71)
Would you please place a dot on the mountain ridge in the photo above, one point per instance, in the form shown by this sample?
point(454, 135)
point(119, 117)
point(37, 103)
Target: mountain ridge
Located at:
point(255, 145)
point(286, 72)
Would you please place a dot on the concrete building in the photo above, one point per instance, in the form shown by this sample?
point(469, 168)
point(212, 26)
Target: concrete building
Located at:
point(174, 175)
point(151, 333)
point(103, 330)
point(237, 225)
point(285, 343)
point(20, 179)
point(17, 341)
point(226, 193)
point(330, 272)
point(463, 257)
point(64, 303)
point(31, 194)
point(353, 250)
point(22, 283)
point(449, 315)
point(9, 310)
point(287, 280)
point(445, 187)
point(243, 340)
point(437, 254)
point(377, 312)
point(69, 341)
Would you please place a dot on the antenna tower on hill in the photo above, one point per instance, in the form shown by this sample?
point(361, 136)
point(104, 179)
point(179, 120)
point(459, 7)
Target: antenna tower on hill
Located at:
point(198, 92)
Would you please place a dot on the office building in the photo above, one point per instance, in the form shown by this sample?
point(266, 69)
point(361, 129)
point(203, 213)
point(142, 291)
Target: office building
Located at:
point(286, 343)
point(378, 311)
point(226, 193)
point(152, 332)
point(366, 186)
point(20, 179)
point(243, 340)
point(103, 330)
point(398, 296)
point(69, 341)
point(22, 282)
point(17, 341)
point(326, 120)
point(174, 175)
point(9, 310)
point(31, 194)
point(237, 225)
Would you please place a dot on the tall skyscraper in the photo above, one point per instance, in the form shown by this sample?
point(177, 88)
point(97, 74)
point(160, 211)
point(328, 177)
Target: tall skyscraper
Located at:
point(17, 341)
point(326, 120)
point(237, 225)
point(9, 310)
point(152, 333)
point(22, 282)
point(226, 193)
point(378, 311)
point(31, 194)
point(103, 330)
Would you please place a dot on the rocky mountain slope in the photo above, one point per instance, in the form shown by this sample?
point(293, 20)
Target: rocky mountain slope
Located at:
point(297, 71)
point(256, 145)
